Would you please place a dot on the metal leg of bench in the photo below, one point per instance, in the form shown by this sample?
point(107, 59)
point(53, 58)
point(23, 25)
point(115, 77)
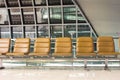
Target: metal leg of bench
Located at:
point(26, 62)
point(1, 65)
point(73, 64)
point(106, 65)
point(41, 65)
point(85, 65)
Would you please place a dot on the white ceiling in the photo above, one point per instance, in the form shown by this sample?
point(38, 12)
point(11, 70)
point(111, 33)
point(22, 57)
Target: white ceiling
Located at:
point(103, 14)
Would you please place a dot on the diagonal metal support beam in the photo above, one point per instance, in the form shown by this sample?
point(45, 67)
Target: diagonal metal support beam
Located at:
point(84, 15)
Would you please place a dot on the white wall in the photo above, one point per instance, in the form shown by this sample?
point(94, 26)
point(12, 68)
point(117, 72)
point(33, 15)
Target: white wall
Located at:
point(103, 14)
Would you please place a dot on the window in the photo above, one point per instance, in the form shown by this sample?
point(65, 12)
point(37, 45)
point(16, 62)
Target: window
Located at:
point(55, 15)
point(4, 32)
point(15, 17)
point(42, 15)
point(3, 16)
point(56, 31)
point(84, 30)
point(70, 31)
point(40, 2)
point(43, 31)
point(30, 32)
point(16, 32)
point(54, 2)
point(69, 14)
point(28, 16)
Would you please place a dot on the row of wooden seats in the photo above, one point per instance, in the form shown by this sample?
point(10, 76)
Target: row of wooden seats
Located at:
point(63, 47)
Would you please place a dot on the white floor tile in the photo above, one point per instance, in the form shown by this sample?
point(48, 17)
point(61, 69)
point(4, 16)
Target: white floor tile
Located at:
point(15, 74)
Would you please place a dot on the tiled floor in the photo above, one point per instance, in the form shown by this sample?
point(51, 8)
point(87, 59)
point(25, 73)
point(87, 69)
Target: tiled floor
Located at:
point(36, 74)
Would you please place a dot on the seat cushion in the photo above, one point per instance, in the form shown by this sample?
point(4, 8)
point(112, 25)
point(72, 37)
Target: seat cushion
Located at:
point(15, 54)
point(38, 54)
point(85, 54)
point(62, 54)
point(107, 53)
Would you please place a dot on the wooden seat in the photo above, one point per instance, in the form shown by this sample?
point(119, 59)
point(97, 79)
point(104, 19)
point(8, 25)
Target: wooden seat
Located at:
point(63, 47)
point(41, 47)
point(85, 47)
point(21, 47)
point(105, 46)
point(4, 46)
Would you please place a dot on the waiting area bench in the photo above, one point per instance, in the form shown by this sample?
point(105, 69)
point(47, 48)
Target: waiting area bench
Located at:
point(63, 49)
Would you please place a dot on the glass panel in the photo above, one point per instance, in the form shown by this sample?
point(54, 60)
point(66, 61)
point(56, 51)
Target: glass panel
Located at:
point(98, 63)
point(70, 31)
point(67, 2)
point(52, 45)
point(69, 14)
point(55, 15)
point(5, 33)
point(12, 3)
point(32, 45)
point(56, 31)
point(16, 32)
point(2, 4)
point(95, 47)
point(94, 37)
point(30, 31)
point(83, 30)
point(40, 2)
point(54, 2)
point(43, 31)
point(80, 18)
point(83, 34)
point(42, 15)
point(113, 64)
point(26, 2)
point(28, 16)
point(3, 16)
point(15, 18)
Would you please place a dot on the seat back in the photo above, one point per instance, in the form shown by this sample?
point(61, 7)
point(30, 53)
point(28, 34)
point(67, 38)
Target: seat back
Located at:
point(105, 44)
point(42, 45)
point(84, 45)
point(63, 46)
point(4, 45)
point(22, 45)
